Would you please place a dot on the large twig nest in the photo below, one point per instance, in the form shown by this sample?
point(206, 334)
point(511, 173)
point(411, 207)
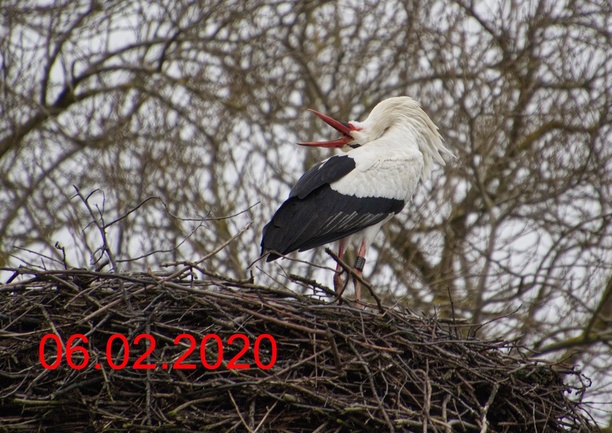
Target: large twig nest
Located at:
point(338, 368)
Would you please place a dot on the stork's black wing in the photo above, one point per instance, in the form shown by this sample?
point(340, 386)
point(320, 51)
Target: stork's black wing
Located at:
point(315, 214)
point(323, 173)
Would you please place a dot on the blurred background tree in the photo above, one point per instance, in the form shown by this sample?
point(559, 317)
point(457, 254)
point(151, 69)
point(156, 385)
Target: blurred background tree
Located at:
point(189, 111)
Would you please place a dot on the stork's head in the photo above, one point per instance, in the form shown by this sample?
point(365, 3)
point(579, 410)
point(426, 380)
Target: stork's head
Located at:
point(398, 120)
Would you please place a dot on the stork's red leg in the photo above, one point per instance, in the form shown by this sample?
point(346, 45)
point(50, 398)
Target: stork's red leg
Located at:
point(358, 269)
point(338, 281)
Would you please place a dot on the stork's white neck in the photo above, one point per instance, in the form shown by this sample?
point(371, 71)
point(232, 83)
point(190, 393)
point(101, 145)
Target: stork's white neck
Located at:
point(426, 141)
point(405, 138)
point(398, 126)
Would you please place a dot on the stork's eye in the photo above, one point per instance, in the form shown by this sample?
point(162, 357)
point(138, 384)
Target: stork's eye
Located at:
point(354, 145)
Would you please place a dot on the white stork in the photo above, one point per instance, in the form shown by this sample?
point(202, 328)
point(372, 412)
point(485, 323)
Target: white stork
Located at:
point(351, 196)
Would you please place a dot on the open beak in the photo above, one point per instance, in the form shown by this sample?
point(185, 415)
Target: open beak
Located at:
point(342, 127)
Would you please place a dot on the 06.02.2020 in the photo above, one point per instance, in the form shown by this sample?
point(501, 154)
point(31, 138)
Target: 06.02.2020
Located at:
point(75, 352)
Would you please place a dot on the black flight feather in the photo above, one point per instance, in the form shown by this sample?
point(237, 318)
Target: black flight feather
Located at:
point(315, 214)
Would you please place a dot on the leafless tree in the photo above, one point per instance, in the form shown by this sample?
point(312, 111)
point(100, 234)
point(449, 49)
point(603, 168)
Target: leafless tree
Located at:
point(186, 113)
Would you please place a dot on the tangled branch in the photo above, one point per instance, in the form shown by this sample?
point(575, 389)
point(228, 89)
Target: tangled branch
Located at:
point(336, 368)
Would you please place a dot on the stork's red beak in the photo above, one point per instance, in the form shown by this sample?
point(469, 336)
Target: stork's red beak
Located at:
point(342, 127)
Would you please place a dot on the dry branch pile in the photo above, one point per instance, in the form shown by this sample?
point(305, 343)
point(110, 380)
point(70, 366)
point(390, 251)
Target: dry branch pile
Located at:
point(338, 368)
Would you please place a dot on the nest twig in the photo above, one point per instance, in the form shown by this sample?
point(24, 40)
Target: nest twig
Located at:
point(337, 369)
